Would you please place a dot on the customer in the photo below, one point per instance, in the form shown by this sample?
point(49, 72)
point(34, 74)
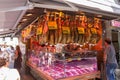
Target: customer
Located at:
point(11, 52)
point(110, 58)
point(18, 59)
point(6, 73)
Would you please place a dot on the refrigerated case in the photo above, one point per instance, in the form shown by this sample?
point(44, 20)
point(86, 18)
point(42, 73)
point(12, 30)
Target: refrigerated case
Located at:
point(62, 68)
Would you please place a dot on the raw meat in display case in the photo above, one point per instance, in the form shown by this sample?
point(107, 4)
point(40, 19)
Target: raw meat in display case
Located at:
point(60, 69)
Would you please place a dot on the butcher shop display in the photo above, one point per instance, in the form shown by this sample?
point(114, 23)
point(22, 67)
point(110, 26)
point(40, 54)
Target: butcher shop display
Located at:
point(63, 45)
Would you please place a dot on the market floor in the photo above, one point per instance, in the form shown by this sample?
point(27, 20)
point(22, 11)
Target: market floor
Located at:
point(26, 77)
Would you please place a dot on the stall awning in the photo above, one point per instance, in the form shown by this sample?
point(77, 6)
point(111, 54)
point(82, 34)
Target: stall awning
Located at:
point(69, 6)
point(101, 8)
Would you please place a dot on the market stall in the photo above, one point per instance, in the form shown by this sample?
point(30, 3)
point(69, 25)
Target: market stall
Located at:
point(63, 46)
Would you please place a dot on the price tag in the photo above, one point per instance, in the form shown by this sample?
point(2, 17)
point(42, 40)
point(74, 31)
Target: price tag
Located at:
point(39, 30)
point(94, 31)
point(78, 58)
point(81, 30)
point(52, 25)
point(66, 30)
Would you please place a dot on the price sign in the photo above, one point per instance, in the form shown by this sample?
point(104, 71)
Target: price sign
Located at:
point(94, 31)
point(81, 30)
point(52, 25)
point(66, 30)
point(39, 30)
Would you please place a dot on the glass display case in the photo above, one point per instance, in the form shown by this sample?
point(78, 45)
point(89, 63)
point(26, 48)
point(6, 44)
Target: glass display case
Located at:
point(65, 64)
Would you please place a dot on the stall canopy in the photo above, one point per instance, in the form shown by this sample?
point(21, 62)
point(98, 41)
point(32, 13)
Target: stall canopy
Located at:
point(15, 12)
point(11, 12)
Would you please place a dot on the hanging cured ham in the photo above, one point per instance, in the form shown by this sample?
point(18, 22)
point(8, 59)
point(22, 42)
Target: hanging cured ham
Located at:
point(59, 23)
point(94, 30)
point(81, 29)
point(52, 25)
point(65, 30)
point(88, 31)
point(45, 27)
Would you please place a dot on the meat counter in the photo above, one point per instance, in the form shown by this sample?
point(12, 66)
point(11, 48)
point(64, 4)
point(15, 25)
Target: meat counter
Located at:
point(64, 69)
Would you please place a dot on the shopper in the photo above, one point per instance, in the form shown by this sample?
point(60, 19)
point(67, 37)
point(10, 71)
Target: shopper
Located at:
point(4, 54)
point(18, 59)
point(11, 52)
point(6, 73)
point(110, 58)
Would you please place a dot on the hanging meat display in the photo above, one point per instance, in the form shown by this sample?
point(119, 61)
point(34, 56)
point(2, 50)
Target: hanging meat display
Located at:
point(89, 26)
point(81, 29)
point(39, 30)
point(65, 30)
point(45, 27)
point(98, 26)
point(95, 37)
point(52, 26)
point(73, 29)
point(58, 27)
point(59, 23)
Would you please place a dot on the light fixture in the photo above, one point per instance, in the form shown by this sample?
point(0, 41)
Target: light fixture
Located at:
point(99, 16)
point(29, 14)
point(23, 20)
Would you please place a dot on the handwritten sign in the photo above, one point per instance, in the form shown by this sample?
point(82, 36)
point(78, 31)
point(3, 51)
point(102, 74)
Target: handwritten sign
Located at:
point(66, 30)
point(39, 31)
point(81, 30)
point(52, 25)
point(94, 31)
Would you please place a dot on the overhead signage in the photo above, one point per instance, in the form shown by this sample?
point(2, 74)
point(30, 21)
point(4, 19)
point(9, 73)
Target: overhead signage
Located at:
point(115, 23)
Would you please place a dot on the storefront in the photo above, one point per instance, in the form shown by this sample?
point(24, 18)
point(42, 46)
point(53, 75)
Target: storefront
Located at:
point(63, 45)
point(115, 33)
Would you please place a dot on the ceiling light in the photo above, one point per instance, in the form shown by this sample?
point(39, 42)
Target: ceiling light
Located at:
point(99, 15)
point(29, 14)
point(23, 20)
